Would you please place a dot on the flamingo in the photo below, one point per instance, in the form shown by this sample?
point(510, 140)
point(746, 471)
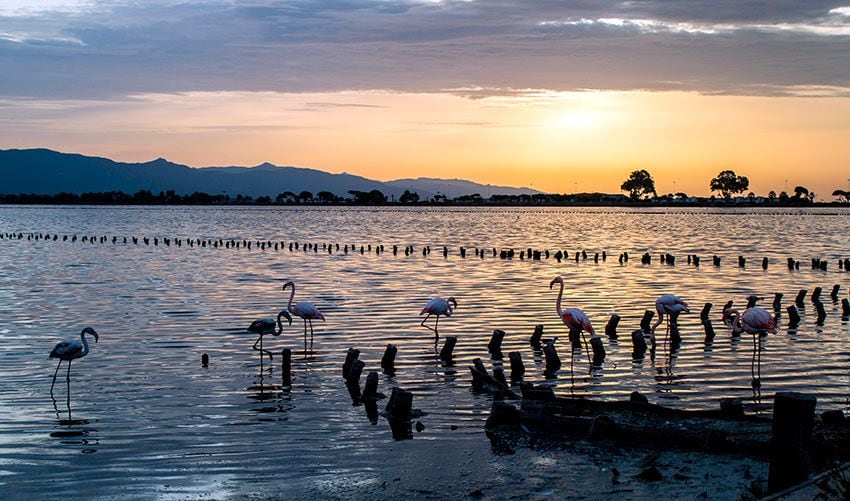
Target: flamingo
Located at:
point(754, 321)
point(263, 326)
point(438, 306)
point(574, 319)
point(669, 304)
point(70, 349)
point(305, 311)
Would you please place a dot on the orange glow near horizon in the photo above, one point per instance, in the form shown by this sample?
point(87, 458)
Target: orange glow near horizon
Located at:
point(550, 141)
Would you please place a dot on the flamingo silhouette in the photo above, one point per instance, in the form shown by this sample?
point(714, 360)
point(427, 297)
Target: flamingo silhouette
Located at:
point(754, 321)
point(305, 311)
point(667, 304)
point(438, 306)
point(574, 319)
point(68, 350)
point(263, 326)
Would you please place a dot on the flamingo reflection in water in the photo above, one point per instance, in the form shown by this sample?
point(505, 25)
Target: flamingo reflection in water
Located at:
point(69, 350)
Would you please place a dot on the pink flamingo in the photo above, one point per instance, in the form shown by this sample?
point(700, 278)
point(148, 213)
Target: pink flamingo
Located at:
point(754, 321)
point(304, 310)
point(669, 304)
point(437, 306)
point(573, 318)
point(69, 350)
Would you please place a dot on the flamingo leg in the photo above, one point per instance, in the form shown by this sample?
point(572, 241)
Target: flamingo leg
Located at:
point(311, 334)
point(436, 332)
point(305, 336)
point(54, 377)
point(425, 320)
point(586, 348)
point(68, 384)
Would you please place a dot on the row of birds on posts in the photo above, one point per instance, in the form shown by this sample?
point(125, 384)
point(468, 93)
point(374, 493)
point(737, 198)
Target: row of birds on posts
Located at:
point(509, 253)
point(753, 320)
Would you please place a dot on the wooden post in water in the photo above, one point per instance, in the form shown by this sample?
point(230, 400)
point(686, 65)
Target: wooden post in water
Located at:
point(611, 326)
point(495, 344)
point(777, 301)
point(536, 336)
point(350, 356)
point(834, 294)
point(815, 298)
point(791, 439)
point(517, 368)
point(205, 360)
point(706, 310)
point(821, 313)
point(845, 308)
point(598, 351)
point(286, 366)
point(638, 344)
point(448, 348)
point(764, 263)
point(793, 316)
point(388, 360)
point(370, 389)
point(553, 362)
point(801, 298)
point(645, 321)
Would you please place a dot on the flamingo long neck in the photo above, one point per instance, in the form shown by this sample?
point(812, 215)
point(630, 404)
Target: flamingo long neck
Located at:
point(85, 344)
point(280, 324)
point(558, 302)
point(291, 297)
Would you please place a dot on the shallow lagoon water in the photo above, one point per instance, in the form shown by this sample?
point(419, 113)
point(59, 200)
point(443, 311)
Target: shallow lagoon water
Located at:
point(148, 420)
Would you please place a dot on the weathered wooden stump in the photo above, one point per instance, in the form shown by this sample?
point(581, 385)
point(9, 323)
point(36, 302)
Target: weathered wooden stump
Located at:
point(448, 348)
point(777, 300)
point(553, 362)
point(793, 316)
point(709, 331)
point(845, 307)
point(350, 356)
point(834, 294)
point(355, 372)
point(791, 439)
point(400, 404)
point(388, 360)
point(575, 337)
point(536, 337)
point(503, 414)
point(517, 368)
point(638, 344)
point(742, 262)
point(646, 320)
point(286, 366)
point(821, 313)
point(495, 344)
point(716, 260)
point(764, 263)
point(815, 298)
point(801, 298)
point(706, 311)
point(370, 389)
point(675, 336)
point(205, 360)
point(499, 375)
point(611, 326)
point(598, 351)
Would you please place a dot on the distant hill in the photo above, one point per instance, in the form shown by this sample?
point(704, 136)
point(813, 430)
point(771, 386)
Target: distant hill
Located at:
point(453, 188)
point(44, 171)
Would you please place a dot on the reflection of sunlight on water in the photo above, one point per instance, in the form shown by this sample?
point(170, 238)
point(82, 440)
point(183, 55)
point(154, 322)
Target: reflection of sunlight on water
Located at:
point(159, 308)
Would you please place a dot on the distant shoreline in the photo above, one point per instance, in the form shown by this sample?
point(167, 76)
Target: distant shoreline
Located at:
point(170, 198)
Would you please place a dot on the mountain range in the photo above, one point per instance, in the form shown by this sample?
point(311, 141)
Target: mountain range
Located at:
point(45, 172)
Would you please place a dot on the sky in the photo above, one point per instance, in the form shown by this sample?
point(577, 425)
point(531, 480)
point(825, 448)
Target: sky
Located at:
point(559, 95)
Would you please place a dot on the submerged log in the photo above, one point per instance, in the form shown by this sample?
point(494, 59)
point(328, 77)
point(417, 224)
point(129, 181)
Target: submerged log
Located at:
point(482, 381)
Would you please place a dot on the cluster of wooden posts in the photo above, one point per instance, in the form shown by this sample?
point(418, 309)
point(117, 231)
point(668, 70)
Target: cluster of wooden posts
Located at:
point(528, 253)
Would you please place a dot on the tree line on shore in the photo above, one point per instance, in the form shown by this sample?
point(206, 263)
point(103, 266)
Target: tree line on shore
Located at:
point(640, 187)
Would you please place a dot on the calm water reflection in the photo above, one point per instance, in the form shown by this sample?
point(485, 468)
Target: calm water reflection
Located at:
point(148, 416)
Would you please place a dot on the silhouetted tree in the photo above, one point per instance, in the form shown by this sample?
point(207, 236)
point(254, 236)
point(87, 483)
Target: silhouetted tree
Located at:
point(639, 184)
point(305, 196)
point(408, 198)
point(843, 196)
point(728, 183)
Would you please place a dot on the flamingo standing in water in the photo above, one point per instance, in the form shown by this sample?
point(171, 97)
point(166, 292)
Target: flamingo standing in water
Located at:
point(438, 306)
point(305, 311)
point(754, 321)
point(574, 319)
point(263, 326)
point(68, 350)
point(669, 304)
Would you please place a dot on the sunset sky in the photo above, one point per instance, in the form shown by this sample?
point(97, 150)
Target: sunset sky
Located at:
point(558, 95)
